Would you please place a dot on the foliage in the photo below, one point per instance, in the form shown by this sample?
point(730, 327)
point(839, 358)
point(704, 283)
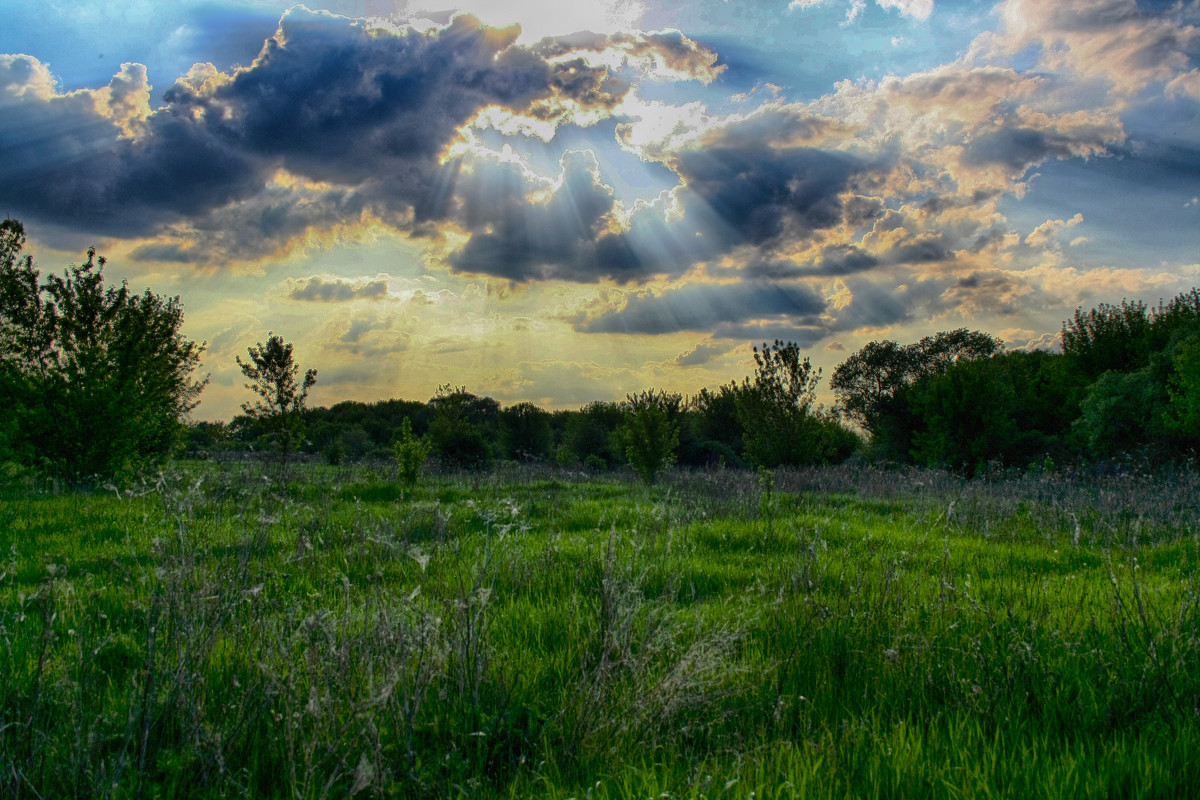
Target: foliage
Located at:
point(463, 428)
point(1107, 338)
point(1125, 337)
point(1123, 412)
point(98, 379)
point(715, 433)
point(776, 408)
point(272, 374)
point(525, 432)
point(650, 432)
point(869, 384)
point(1183, 416)
point(968, 418)
point(411, 453)
point(590, 435)
point(1011, 409)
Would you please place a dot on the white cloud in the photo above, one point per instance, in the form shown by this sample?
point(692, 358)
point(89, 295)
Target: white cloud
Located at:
point(1116, 42)
point(1049, 230)
point(918, 9)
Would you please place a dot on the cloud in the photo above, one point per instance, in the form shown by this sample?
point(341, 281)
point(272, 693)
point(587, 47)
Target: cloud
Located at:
point(1049, 230)
point(918, 9)
point(706, 306)
point(665, 55)
point(336, 123)
point(336, 291)
point(1125, 44)
point(761, 195)
point(355, 120)
point(700, 354)
point(1049, 342)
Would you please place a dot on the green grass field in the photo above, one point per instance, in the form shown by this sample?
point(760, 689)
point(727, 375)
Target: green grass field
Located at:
point(835, 633)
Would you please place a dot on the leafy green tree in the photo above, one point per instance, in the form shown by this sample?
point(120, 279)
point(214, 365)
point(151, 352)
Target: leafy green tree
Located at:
point(411, 453)
point(968, 416)
point(464, 427)
point(1108, 337)
point(589, 435)
point(868, 383)
point(715, 430)
point(1183, 416)
point(650, 432)
point(525, 432)
point(873, 386)
point(98, 378)
point(1123, 413)
point(272, 374)
point(776, 408)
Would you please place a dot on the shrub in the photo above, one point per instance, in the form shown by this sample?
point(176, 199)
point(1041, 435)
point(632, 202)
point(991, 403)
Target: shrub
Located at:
point(411, 453)
point(649, 433)
point(96, 379)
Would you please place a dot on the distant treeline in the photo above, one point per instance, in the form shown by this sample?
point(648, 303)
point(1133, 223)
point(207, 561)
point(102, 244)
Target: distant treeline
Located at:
point(97, 381)
point(1127, 385)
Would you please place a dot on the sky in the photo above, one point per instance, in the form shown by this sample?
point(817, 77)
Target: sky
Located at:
point(559, 202)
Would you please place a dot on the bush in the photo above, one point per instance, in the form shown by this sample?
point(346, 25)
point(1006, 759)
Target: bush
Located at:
point(411, 453)
point(96, 379)
point(649, 433)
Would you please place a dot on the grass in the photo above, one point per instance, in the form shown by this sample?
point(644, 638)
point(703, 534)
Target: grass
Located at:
point(824, 633)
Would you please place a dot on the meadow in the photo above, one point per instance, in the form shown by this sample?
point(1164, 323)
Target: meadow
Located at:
point(523, 632)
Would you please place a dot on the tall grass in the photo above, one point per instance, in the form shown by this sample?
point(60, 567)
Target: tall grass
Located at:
point(819, 633)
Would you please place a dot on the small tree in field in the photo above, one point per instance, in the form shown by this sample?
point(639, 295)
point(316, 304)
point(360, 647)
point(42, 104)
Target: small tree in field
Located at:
point(272, 372)
point(411, 453)
point(650, 432)
point(776, 409)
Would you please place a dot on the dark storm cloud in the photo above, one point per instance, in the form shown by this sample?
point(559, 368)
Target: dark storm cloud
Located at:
point(705, 306)
point(1017, 148)
point(700, 354)
point(837, 260)
point(569, 236)
point(337, 291)
point(736, 193)
point(924, 250)
point(872, 306)
point(521, 240)
point(763, 194)
point(367, 112)
point(840, 260)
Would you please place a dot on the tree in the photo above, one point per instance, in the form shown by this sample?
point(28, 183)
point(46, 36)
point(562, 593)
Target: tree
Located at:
point(967, 415)
point(1124, 413)
point(868, 382)
point(873, 386)
point(775, 410)
point(1106, 338)
point(716, 432)
point(589, 435)
point(411, 453)
point(98, 379)
point(1183, 415)
point(525, 432)
point(464, 426)
point(650, 432)
point(272, 372)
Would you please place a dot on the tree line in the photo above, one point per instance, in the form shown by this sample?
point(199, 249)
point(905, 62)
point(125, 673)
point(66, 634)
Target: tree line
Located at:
point(99, 381)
